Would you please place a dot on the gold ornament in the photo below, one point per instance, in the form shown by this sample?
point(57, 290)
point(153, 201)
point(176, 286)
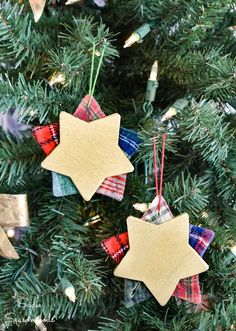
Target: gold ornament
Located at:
point(13, 213)
point(14, 210)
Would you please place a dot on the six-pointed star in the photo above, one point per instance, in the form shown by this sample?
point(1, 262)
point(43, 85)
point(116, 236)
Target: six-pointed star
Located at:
point(88, 152)
point(160, 255)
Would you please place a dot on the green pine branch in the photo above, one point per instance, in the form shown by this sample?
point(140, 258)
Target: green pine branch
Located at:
point(18, 158)
point(187, 194)
point(19, 42)
point(205, 127)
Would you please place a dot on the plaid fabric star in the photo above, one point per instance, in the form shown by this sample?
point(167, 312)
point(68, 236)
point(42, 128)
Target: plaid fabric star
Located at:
point(128, 141)
point(188, 288)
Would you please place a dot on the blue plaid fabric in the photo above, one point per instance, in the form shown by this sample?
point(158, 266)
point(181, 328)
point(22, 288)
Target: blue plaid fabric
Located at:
point(135, 292)
point(129, 141)
point(200, 238)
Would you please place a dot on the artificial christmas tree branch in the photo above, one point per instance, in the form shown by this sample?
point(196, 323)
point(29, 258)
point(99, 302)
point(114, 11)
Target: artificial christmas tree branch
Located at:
point(45, 69)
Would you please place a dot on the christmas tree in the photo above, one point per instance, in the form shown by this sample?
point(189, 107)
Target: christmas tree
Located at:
point(60, 277)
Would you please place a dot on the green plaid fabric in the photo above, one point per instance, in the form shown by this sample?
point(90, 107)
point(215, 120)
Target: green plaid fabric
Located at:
point(62, 185)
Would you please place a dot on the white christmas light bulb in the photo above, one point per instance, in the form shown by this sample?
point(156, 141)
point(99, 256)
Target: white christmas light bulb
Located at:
point(154, 71)
point(132, 40)
point(10, 233)
point(143, 207)
point(39, 324)
point(169, 114)
point(70, 293)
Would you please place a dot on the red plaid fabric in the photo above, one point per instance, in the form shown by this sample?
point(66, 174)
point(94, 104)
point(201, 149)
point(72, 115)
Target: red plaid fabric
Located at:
point(47, 136)
point(164, 215)
point(117, 247)
point(113, 247)
point(113, 187)
point(188, 288)
point(91, 113)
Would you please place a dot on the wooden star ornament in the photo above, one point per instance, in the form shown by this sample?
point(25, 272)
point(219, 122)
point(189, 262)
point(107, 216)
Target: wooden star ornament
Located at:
point(160, 255)
point(88, 152)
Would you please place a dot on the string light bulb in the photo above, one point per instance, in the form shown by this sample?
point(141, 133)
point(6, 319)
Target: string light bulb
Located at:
point(68, 289)
point(10, 233)
point(57, 78)
point(154, 71)
point(169, 114)
point(138, 35)
point(92, 220)
point(233, 250)
point(70, 293)
point(134, 38)
point(143, 207)
point(39, 324)
point(152, 83)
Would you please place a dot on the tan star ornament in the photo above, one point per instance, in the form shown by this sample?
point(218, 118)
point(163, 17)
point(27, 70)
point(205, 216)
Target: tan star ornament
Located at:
point(88, 152)
point(160, 255)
